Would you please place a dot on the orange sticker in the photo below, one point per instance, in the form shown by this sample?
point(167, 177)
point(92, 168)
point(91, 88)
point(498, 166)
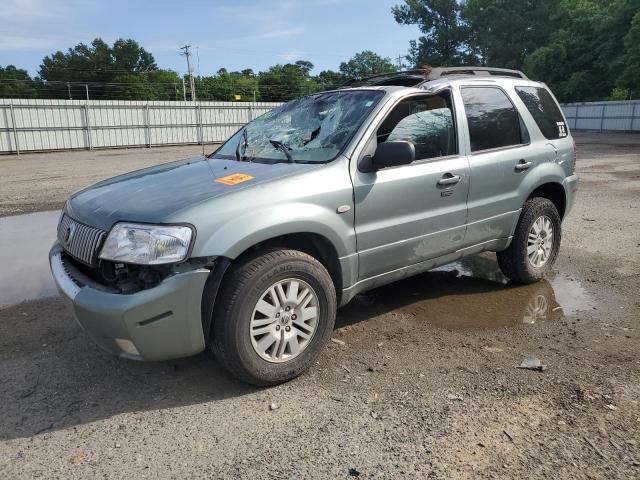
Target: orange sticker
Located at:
point(234, 179)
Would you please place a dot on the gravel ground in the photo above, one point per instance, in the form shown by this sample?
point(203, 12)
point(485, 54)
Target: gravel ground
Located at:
point(419, 382)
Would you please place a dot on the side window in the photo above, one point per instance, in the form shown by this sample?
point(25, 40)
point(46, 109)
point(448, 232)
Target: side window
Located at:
point(428, 123)
point(544, 110)
point(493, 120)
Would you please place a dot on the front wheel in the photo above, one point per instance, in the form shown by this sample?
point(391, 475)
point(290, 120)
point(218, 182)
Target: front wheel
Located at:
point(535, 243)
point(275, 312)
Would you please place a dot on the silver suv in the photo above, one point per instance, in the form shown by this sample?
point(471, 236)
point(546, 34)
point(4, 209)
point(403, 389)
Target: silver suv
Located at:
point(250, 250)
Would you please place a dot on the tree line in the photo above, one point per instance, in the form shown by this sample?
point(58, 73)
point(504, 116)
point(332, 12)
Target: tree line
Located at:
point(584, 49)
point(126, 71)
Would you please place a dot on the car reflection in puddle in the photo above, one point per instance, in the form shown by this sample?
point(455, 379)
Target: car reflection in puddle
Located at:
point(471, 293)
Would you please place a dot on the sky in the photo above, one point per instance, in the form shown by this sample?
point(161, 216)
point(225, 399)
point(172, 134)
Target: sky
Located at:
point(223, 33)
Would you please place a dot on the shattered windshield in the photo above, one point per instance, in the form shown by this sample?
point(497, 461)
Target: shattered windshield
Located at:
point(312, 129)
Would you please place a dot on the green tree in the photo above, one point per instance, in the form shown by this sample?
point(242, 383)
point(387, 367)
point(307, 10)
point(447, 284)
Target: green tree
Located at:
point(445, 39)
point(284, 82)
point(225, 85)
point(328, 79)
point(503, 32)
point(98, 63)
point(366, 64)
point(152, 85)
point(16, 83)
point(630, 61)
point(586, 52)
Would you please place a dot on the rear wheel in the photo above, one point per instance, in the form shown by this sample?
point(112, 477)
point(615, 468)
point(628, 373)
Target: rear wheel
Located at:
point(275, 312)
point(535, 243)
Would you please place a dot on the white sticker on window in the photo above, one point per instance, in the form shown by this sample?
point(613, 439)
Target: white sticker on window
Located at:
point(369, 103)
point(562, 129)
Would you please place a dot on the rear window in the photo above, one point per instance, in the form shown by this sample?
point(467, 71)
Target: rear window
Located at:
point(493, 120)
point(544, 110)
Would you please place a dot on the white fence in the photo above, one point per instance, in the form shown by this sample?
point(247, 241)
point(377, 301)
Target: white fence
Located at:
point(604, 116)
point(43, 125)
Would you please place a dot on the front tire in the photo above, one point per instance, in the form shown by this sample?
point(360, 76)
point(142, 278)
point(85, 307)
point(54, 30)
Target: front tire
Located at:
point(535, 243)
point(275, 312)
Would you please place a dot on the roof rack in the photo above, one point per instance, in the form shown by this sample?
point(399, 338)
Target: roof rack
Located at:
point(439, 72)
point(412, 78)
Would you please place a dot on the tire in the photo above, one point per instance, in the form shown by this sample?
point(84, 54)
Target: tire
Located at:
point(515, 261)
point(236, 314)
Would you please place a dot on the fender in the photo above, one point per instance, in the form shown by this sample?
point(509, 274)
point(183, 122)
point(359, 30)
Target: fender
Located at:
point(547, 172)
point(241, 232)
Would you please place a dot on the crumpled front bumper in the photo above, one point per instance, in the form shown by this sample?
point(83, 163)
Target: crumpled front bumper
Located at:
point(159, 323)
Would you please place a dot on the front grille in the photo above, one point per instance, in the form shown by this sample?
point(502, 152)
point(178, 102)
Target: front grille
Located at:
point(80, 241)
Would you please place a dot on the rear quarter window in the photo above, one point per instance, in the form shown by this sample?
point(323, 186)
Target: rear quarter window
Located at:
point(544, 110)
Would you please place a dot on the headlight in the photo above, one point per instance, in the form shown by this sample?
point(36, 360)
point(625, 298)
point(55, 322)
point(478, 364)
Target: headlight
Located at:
point(146, 244)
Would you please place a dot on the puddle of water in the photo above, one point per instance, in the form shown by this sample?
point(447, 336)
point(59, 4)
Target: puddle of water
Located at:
point(25, 241)
point(472, 293)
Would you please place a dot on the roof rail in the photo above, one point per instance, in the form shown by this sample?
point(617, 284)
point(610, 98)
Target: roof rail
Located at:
point(439, 72)
point(410, 78)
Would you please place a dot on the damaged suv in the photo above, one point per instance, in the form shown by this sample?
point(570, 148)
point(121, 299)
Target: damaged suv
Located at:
point(249, 251)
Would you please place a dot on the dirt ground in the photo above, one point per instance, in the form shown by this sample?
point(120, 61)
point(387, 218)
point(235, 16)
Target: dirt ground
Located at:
point(32, 182)
point(419, 382)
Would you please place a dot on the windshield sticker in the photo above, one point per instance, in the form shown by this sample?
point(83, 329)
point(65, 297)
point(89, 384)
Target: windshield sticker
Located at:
point(234, 179)
point(369, 103)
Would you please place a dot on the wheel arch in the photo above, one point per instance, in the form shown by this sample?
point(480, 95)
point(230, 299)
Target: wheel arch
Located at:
point(554, 192)
point(311, 243)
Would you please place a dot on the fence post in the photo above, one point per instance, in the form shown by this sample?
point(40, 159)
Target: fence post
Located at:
point(147, 125)
point(15, 132)
point(201, 132)
point(86, 122)
point(604, 109)
point(633, 116)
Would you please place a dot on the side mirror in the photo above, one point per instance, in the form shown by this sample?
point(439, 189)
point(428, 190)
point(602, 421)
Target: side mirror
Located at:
point(388, 154)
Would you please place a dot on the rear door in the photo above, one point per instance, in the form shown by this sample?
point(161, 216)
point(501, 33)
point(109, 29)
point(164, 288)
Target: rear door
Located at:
point(407, 214)
point(548, 116)
point(500, 158)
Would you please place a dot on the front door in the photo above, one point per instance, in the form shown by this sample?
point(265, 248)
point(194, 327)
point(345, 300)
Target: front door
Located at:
point(408, 214)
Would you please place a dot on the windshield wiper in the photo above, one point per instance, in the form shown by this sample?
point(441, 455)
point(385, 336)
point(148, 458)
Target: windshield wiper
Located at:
point(281, 146)
point(240, 157)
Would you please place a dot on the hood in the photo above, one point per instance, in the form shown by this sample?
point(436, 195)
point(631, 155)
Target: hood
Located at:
point(153, 194)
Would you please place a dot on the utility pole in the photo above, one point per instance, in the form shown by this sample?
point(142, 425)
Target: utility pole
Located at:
point(187, 54)
point(69, 90)
point(184, 90)
point(86, 87)
point(400, 65)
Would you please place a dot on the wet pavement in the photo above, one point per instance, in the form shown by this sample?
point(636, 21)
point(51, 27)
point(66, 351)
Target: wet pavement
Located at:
point(25, 241)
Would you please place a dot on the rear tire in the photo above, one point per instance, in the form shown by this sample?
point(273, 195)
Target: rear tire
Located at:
point(241, 331)
point(535, 243)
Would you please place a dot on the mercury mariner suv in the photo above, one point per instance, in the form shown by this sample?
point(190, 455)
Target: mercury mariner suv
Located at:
point(248, 251)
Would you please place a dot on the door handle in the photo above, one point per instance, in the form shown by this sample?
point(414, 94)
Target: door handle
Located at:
point(449, 179)
point(523, 165)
